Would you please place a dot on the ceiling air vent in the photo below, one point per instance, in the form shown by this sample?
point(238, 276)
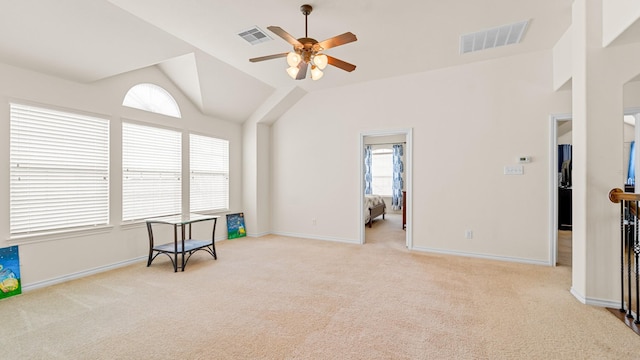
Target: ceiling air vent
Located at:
point(494, 37)
point(254, 35)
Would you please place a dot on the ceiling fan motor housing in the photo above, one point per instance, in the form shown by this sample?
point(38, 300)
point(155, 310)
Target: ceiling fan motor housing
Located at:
point(308, 49)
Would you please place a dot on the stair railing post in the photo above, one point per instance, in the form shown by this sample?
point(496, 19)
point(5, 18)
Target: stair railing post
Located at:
point(636, 251)
point(629, 243)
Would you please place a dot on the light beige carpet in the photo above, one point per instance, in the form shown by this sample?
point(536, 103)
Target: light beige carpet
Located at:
point(285, 298)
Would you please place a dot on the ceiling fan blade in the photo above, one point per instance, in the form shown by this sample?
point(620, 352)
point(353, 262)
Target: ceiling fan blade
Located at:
point(340, 64)
point(302, 73)
point(285, 35)
point(338, 40)
point(268, 57)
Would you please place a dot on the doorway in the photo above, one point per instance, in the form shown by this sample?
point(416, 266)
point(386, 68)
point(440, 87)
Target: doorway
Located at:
point(560, 235)
point(561, 194)
point(403, 215)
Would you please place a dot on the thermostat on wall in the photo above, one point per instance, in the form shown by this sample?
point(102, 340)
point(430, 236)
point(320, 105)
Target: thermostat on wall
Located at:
point(524, 159)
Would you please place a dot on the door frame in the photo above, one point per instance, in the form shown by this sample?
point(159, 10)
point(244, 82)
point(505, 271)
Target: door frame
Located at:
point(554, 119)
point(635, 112)
point(553, 176)
point(408, 167)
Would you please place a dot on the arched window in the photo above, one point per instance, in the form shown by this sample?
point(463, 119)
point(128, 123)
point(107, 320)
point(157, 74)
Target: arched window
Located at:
point(153, 98)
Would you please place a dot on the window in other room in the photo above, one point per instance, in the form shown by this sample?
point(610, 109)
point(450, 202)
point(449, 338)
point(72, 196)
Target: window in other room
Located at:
point(382, 171)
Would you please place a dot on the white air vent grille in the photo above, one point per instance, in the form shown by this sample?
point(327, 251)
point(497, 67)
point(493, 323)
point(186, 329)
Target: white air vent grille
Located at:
point(254, 35)
point(494, 37)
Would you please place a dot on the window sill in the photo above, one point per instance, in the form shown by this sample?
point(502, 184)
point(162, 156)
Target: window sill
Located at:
point(58, 235)
point(134, 224)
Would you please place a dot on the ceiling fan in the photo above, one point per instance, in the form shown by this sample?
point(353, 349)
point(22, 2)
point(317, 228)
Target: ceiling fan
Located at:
point(309, 51)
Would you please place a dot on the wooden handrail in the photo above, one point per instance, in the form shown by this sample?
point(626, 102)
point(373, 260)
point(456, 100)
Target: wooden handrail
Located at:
point(616, 195)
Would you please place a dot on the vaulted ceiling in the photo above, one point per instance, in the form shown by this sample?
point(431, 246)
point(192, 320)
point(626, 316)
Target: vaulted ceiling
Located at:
point(196, 42)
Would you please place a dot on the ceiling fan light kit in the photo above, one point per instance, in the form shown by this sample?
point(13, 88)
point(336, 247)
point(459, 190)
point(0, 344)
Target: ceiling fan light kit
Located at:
point(309, 51)
point(316, 73)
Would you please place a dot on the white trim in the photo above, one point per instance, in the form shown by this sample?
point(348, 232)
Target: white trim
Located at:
point(81, 274)
point(603, 303)
point(577, 295)
point(89, 272)
point(408, 153)
point(595, 302)
point(637, 138)
point(258, 234)
point(553, 184)
point(482, 256)
point(59, 235)
point(315, 237)
point(635, 111)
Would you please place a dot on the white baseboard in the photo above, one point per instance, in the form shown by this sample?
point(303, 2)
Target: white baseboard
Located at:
point(593, 301)
point(258, 234)
point(83, 273)
point(578, 296)
point(80, 274)
point(482, 256)
point(315, 237)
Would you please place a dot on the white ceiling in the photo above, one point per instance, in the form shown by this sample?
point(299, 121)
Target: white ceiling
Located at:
point(195, 42)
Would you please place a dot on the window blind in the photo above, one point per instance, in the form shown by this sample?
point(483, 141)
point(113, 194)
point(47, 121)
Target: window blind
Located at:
point(382, 172)
point(209, 170)
point(151, 169)
point(153, 98)
point(59, 170)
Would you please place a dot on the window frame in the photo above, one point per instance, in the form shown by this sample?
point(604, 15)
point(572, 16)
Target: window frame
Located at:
point(168, 206)
point(220, 148)
point(85, 160)
point(140, 96)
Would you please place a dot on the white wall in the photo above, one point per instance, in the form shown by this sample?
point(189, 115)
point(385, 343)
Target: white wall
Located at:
point(618, 16)
point(468, 123)
point(562, 60)
point(67, 255)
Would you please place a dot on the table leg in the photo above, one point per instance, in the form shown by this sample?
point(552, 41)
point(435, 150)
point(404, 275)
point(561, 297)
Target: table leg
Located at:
point(175, 248)
point(183, 233)
point(213, 240)
point(150, 231)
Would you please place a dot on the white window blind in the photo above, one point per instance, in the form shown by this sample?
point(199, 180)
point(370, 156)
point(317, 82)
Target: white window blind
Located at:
point(151, 168)
point(153, 98)
point(209, 166)
point(59, 172)
point(382, 172)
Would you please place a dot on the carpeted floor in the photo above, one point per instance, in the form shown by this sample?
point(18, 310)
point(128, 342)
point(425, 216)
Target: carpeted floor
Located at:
point(386, 232)
point(286, 298)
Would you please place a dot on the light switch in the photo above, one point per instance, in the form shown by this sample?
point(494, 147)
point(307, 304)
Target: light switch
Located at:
point(514, 170)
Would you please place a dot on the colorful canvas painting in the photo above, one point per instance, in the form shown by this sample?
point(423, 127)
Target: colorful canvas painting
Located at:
point(9, 272)
point(235, 226)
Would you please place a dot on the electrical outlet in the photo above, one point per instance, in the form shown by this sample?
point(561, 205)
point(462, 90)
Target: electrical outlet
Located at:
point(313, 221)
point(468, 234)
